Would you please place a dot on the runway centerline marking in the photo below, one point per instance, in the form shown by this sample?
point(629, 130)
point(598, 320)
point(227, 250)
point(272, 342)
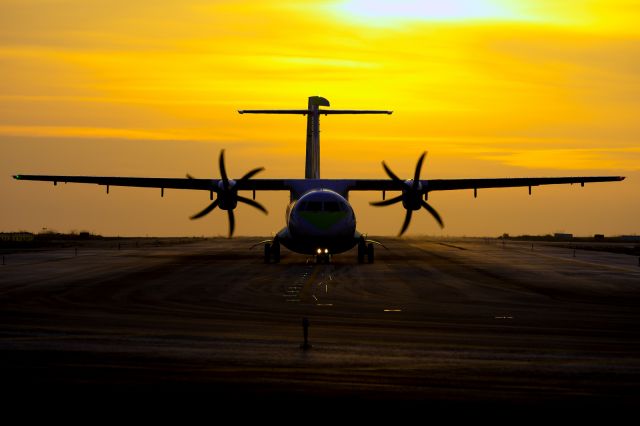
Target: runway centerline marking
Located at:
point(292, 293)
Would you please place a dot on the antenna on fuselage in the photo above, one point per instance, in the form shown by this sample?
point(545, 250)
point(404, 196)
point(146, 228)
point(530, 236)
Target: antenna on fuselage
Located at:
point(313, 112)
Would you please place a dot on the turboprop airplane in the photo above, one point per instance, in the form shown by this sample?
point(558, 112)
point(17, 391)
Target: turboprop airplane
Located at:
point(319, 219)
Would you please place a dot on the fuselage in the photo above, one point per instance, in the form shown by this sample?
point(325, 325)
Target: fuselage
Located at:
point(321, 219)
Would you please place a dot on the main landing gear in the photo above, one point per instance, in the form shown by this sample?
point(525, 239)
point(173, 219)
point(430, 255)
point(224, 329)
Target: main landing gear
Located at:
point(365, 250)
point(272, 252)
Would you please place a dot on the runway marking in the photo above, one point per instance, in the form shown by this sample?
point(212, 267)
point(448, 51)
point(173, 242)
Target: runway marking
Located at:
point(325, 274)
point(312, 278)
point(392, 310)
point(504, 317)
point(451, 245)
point(292, 293)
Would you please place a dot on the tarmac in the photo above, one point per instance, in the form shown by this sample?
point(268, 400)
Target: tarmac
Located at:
point(434, 323)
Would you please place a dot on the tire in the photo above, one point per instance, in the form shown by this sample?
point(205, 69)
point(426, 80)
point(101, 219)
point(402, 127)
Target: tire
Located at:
point(370, 253)
point(267, 253)
point(275, 252)
point(361, 251)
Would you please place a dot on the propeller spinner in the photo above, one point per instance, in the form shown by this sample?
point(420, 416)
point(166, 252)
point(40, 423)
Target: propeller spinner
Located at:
point(227, 195)
point(411, 196)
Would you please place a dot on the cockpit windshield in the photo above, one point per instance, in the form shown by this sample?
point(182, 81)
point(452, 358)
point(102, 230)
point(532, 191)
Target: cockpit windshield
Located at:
point(331, 206)
point(318, 206)
point(314, 206)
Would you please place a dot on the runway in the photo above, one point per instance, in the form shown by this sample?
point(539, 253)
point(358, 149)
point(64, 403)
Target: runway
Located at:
point(431, 321)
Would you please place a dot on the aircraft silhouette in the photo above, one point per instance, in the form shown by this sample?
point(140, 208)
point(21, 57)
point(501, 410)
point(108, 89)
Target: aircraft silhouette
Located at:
point(320, 220)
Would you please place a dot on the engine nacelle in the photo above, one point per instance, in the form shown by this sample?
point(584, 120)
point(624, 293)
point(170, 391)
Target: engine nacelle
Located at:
point(412, 197)
point(228, 197)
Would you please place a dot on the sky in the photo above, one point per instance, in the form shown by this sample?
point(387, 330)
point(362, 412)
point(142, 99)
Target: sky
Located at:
point(490, 88)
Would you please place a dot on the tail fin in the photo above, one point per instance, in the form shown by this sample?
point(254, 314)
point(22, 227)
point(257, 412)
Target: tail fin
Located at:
point(312, 165)
point(313, 111)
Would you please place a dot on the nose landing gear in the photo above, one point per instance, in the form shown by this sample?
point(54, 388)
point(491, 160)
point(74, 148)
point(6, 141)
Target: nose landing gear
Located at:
point(323, 256)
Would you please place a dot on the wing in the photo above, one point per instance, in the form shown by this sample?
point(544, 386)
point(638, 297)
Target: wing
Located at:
point(297, 187)
point(162, 183)
point(414, 191)
point(453, 184)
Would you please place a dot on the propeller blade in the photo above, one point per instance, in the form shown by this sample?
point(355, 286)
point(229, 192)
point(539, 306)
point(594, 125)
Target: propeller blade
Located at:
point(232, 222)
point(390, 173)
point(206, 211)
point(386, 202)
point(251, 174)
point(253, 203)
point(189, 176)
point(416, 175)
point(223, 170)
point(433, 212)
point(407, 220)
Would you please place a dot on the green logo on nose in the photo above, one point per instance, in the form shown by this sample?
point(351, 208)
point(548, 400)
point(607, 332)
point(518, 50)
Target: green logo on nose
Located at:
point(323, 220)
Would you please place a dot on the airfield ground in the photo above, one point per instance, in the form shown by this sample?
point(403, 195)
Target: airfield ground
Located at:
point(451, 322)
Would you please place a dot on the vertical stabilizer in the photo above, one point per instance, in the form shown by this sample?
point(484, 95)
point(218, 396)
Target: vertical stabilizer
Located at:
point(313, 112)
point(312, 165)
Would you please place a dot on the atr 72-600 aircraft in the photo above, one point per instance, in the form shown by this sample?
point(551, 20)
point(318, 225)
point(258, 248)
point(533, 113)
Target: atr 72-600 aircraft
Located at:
point(319, 219)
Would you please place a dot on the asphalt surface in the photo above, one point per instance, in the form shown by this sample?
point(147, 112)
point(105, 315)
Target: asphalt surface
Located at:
point(432, 323)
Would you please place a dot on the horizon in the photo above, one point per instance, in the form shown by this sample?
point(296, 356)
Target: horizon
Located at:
point(557, 235)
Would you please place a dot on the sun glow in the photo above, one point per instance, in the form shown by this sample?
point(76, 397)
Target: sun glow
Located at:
point(383, 11)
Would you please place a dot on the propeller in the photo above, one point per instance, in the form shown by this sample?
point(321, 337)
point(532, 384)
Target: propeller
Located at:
point(227, 194)
point(411, 196)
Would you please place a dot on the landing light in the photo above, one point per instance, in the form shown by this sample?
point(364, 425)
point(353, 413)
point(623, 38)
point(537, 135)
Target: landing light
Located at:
point(319, 251)
point(326, 251)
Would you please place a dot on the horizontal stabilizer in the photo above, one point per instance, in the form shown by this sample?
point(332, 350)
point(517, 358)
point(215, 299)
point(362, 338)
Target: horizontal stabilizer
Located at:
point(308, 111)
point(274, 111)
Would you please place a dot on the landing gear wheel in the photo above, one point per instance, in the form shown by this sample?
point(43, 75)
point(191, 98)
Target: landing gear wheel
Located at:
point(275, 252)
point(370, 256)
point(362, 248)
point(267, 253)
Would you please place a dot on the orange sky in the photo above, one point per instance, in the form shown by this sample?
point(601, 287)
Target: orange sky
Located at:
point(151, 88)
